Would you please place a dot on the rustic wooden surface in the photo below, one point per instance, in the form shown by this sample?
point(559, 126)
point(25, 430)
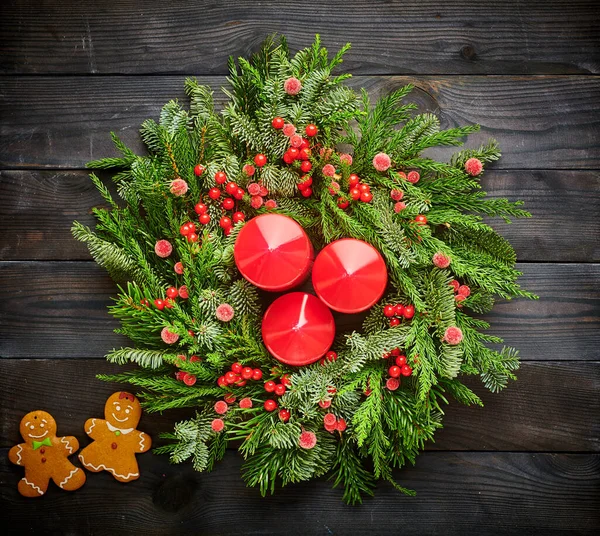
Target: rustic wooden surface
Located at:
point(528, 462)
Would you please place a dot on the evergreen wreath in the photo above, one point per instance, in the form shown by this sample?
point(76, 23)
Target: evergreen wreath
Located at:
point(294, 140)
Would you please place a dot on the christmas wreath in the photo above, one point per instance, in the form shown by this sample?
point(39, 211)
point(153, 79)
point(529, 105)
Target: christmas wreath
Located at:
point(297, 177)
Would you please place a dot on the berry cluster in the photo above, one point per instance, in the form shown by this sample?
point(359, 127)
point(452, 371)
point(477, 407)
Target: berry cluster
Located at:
point(239, 375)
point(186, 377)
point(396, 312)
point(332, 423)
point(172, 294)
point(462, 292)
point(358, 191)
point(397, 369)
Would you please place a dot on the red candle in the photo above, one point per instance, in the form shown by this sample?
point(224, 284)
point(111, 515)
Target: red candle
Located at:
point(349, 275)
point(273, 252)
point(298, 329)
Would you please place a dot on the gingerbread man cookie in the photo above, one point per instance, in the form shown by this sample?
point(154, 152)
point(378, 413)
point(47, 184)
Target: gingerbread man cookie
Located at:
point(45, 456)
point(116, 441)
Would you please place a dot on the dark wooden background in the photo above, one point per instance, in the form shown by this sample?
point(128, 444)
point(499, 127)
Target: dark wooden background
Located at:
point(527, 71)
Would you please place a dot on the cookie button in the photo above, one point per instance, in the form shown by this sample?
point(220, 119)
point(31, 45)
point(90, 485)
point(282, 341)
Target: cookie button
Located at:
point(42, 451)
point(114, 446)
point(43, 460)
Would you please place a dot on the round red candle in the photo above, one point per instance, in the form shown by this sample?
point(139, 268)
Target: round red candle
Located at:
point(273, 252)
point(349, 275)
point(298, 329)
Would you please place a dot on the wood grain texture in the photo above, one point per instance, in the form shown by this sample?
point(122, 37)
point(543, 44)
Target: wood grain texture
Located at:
point(58, 309)
point(39, 208)
point(426, 36)
point(457, 494)
point(521, 418)
point(541, 122)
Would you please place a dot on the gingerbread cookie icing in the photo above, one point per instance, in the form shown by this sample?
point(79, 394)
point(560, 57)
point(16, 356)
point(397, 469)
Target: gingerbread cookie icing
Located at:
point(116, 440)
point(45, 456)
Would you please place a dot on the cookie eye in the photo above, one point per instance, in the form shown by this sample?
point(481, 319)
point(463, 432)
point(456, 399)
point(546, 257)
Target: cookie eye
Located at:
point(127, 411)
point(42, 425)
point(118, 408)
point(32, 427)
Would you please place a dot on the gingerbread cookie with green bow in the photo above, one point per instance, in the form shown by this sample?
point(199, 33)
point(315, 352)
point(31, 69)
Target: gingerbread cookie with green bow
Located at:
point(45, 456)
point(116, 440)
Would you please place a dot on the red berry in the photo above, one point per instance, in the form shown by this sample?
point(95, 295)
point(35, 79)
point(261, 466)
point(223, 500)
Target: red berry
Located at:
point(409, 311)
point(200, 208)
point(395, 351)
point(331, 390)
point(144, 302)
point(406, 370)
point(366, 197)
point(217, 425)
point(270, 405)
point(238, 216)
point(169, 303)
point(355, 194)
point(329, 418)
point(260, 160)
point(342, 203)
point(270, 386)
point(236, 367)
point(307, 192)
point(364, 187)
point(246, 403)
point(178, 268)
point(172, 292)
point(189, 379)
point(278, 123)
point(399, 309)
point(221, 407)
point(394, 322)
point(194, 359)
point(341, 425)
point(257, 374)
point(231, 187)
point(284, 415)
point(225, 222)
point(220, 177)
point(305, 144)
point(353, 180)
point(249, 169)
point(280, 389)
point(180, 375)
point(185, 229)
point(305, 166)
point(401, 360)
point(331, 356)
point(288, 158)
point(198, 170)
point(204, 218)
point(413, 176)
point(247, 373)
point(221, 382)
point(285, 379)
point(421, 219)
point(159, 304)
point(392, 384)
point(305, 154)
point(464, 290)
point(192, 237)
point(214, 193)
point(389, 311)
point(303, 185)
point(228, 203)
point(230, 376)
point(229, 398)
point(325, 403)
point(239, 193)
point(311, 130)
point(394, 371)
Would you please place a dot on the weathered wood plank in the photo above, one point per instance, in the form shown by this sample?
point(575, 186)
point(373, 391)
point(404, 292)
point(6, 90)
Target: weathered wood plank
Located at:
point(58, 309)
point(391, 37)
point(522, 418)
point(548, 122)
point(457, 494)
point(39, 207)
